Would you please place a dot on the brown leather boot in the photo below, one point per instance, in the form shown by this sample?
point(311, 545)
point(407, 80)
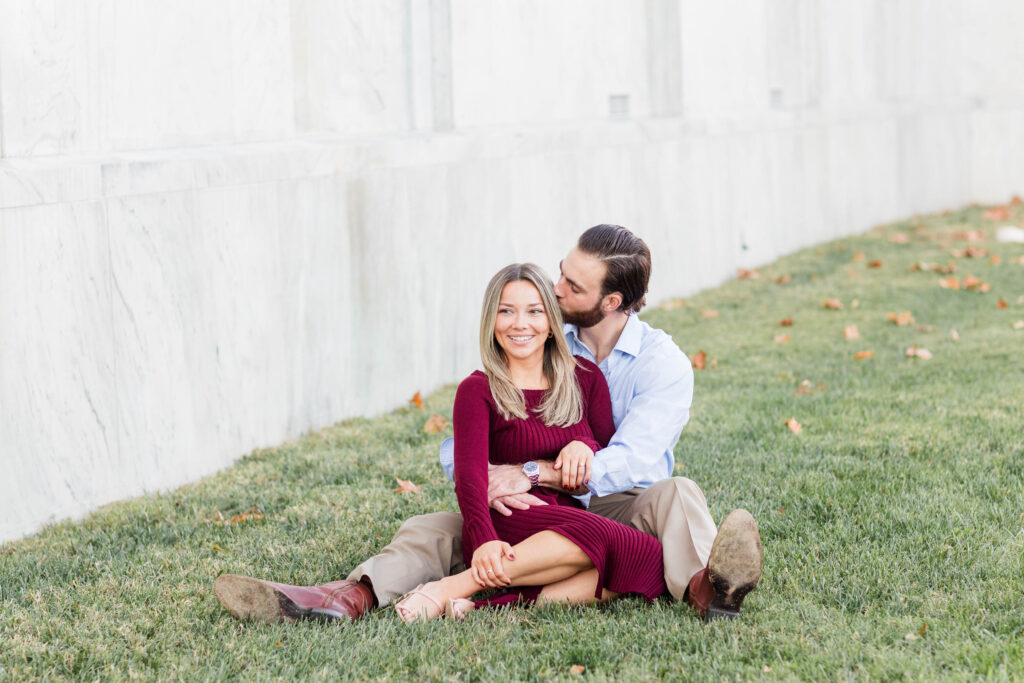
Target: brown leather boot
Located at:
point(249, 598)
point(733, 570)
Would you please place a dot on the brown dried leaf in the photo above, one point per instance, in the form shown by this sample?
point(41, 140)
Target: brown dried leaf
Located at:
point(782, 339)
point(949, 283)
point(783, 279)
point(851, 332)
point(435, 424)
point(793, 425)
point(786, 322)
point(975, 252)
point(417, 400)
point(247, 516)
point(1019, 325)
point(915, 351)
point(744, 274)
point(995, 260)
point(1002, 305)
point(1016, 200)
point(997, 213)
point(406, 486)
point(954, 335)
point(874, 264)
point(699, 360)
point(576, 669)
point(863, 355)
point(709, 313)
point(972, 235)
point(833, 304)
point(859, 256)
point(902, 319)
point(899, 238)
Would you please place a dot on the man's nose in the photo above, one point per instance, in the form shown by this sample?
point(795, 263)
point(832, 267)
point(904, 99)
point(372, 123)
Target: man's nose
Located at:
point(558, 287)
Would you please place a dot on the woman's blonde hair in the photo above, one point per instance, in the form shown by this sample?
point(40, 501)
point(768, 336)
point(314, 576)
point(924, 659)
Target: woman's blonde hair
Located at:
point(562, 405)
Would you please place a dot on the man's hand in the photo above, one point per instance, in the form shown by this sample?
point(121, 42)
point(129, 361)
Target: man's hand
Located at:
point(517, 501)
point(505, 480)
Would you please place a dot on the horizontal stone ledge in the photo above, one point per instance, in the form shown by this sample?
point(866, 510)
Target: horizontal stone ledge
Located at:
point(61, 179)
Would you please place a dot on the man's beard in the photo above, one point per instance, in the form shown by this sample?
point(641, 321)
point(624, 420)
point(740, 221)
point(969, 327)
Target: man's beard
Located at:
point(584, 318)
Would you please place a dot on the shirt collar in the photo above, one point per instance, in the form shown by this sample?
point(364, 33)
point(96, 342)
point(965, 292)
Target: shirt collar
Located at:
point(629, 341)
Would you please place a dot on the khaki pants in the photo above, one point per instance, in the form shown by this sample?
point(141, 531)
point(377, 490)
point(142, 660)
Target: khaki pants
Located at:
point(429, 547)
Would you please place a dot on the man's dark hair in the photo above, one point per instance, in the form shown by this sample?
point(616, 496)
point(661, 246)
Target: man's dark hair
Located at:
point(627, 260)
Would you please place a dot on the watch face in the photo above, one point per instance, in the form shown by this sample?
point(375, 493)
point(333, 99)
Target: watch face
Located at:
point(531, 468)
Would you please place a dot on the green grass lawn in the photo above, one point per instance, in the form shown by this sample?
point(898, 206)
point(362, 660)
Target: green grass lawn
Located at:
point(893, 523)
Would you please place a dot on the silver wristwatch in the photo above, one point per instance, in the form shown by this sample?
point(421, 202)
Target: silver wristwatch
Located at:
point(532, 471)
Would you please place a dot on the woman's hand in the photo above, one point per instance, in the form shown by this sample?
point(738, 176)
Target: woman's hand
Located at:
point(487, 567)
point(575, 462)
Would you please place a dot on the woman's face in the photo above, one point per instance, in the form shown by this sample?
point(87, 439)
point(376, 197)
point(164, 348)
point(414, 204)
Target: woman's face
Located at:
point(521, 326)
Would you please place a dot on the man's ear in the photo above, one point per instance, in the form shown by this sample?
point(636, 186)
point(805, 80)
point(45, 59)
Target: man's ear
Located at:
point(611, 302)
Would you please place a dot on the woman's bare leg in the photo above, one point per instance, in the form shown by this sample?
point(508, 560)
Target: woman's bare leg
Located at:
point(576, 590)
point(544, 558)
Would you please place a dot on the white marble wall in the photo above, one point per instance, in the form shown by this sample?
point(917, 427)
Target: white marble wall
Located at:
point(224, 223)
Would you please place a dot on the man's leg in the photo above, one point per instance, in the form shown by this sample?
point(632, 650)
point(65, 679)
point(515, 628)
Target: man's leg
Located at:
point(713, 570)
point(426, 548)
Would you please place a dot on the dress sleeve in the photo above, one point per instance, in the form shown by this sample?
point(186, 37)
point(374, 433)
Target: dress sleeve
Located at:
point(471, 418)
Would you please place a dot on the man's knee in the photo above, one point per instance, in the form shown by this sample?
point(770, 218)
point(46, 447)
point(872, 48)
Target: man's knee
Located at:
point(673, 488)
point(434, 523)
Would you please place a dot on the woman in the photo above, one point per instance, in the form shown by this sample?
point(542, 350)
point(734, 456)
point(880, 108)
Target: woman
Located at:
point(534, 400)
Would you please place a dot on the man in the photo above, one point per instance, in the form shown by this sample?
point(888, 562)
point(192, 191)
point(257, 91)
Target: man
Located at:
point(603, 284)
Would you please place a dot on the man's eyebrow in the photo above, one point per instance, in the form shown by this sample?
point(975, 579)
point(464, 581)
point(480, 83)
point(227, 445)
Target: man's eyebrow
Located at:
point(573, 283)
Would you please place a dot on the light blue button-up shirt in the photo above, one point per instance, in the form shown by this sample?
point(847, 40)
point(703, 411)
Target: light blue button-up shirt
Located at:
point(651, 384)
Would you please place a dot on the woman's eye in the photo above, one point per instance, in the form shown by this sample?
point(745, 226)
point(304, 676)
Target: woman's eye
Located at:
point(537, 311)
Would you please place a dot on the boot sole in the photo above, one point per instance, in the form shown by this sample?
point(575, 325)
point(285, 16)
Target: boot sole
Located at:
point(249, 598)
point(734, 567)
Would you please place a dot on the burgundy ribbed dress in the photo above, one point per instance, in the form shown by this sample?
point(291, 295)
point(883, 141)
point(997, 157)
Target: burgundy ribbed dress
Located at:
point(627, 560)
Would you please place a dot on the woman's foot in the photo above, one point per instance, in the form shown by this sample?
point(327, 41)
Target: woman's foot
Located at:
point(419, 605)
point(458, 608)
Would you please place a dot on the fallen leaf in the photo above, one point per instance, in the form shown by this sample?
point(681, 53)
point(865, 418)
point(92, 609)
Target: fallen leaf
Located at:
point(995, 260)
point(997, 213)
point(901, 319)
point(972, 235)
point(974, 284)
point(785, 277)
point(793, 425)
point(247, 516)
point(1001, 304)
point(855, 303)
point(899, 238)
point(714, 363)
point(406, 486)
point(218, 548)
point(709, 313)
point(1016, 200)
point(417, 400)
point(975, 252)
point(852, 272)
point(834, 304)
point(766, 669)
point(672, 303)
point(576, 669)
point(863, 355)
point(805, 387)
point(744, 274)
point(949, 283)
point(1021, 260)
point(924, 628)
point(911, 636)
point(915, 351)
point(786, 322)
point(435, 424)
point(851, 332)
point(954, 335)
point(699, 360)
point(958, 253)
point(1019, 325)
point(925, 328)
point(782, 339)
point(874, 264)
point(859, 256)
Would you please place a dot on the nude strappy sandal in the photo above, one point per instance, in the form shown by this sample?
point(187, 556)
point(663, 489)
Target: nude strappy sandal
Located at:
point(407, 615)
point(458, 608)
